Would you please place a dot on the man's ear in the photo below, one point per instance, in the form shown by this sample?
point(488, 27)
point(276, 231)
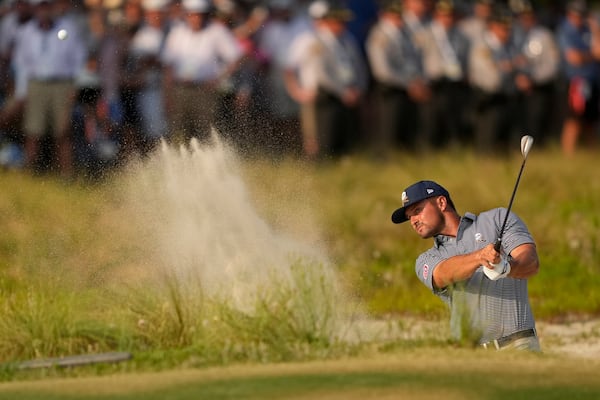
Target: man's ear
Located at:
point(442, 202)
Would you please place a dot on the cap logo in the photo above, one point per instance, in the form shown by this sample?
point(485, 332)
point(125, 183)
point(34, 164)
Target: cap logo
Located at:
point(429, 191)
point(404, 198)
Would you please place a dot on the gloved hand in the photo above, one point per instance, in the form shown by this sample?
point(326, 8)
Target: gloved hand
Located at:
point(497, 271)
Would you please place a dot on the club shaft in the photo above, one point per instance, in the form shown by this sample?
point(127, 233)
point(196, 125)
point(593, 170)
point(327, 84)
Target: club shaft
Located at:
point(498, 242)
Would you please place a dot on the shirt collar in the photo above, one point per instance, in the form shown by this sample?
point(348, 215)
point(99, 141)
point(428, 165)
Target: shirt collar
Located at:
point(465, 221)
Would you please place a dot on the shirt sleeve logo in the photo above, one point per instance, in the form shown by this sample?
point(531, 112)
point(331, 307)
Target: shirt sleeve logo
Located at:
point(425, 271)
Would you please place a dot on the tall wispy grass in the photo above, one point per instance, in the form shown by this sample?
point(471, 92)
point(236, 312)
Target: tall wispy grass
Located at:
point(50, 321)
point(295, 319)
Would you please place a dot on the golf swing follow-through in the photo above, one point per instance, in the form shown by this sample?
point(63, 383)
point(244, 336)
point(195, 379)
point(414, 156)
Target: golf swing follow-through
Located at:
point(502, 269)
point(478, 265)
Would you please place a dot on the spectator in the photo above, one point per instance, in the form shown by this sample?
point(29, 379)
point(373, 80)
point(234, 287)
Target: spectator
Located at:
point(175, 14)
point(146, 47)
point(17, 15)
point(283, 26)
point(326, 75)
point(240, 115)
point(46, 67)
point(416, 17)
point(445, 62)
point(199, 57)
point(497, 77)
point(69, 12)
point(396, 66)
point(541, 60)
point(11, 107)
point(107, 41)
point(580, 51)
point(475, 24)
point(130, 85)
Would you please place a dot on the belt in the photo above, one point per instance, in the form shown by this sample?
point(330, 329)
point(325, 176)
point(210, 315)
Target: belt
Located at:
point(506, 340)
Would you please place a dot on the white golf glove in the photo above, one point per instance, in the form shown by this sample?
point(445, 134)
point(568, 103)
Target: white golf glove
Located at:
point(497, 271)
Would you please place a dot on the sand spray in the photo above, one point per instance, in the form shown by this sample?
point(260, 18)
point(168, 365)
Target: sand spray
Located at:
point(202, 229)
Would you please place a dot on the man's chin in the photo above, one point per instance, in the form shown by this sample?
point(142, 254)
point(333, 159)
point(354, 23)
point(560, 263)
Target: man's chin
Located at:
point(425, 234)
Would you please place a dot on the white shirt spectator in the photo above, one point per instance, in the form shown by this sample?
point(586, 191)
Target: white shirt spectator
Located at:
point(200, 56)
point(147, 41)
point(324, 61)
point(275, 38)
point(42, 55)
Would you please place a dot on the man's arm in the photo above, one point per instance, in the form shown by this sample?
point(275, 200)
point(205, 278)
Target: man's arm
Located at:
point(461, 267)
point(524, 263)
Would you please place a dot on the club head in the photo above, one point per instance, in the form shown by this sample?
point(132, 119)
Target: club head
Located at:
point(526, 143)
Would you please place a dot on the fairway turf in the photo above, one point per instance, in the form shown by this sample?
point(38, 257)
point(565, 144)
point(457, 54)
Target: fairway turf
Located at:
point(453, 374)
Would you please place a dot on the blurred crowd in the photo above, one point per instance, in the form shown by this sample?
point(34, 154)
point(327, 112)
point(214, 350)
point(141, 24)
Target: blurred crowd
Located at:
point(84, 85)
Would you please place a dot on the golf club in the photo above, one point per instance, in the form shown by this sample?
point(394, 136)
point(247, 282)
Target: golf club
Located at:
point(526, 143)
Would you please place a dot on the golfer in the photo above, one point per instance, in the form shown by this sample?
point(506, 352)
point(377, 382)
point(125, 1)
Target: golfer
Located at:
point(486, 290)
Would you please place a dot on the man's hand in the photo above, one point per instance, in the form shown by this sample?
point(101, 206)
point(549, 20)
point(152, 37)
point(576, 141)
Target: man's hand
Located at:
point(495, 265)
point(495, 271)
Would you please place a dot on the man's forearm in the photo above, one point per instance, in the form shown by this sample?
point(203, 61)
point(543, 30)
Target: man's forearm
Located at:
point(456, 269)
point(524, 263)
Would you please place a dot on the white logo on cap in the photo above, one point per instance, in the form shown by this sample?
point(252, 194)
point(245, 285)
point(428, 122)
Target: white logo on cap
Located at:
point(404, 198)
point(429, 191)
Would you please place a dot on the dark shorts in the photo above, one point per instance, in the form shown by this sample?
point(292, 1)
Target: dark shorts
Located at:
point(583, 100)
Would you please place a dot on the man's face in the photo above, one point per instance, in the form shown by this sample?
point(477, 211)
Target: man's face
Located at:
point(154, 18)
point(482, 10)
point(195, 20)
point(575, 18)
point(393, 17)
point(527, 20)
point(334, 25)
point(446, 19)
point(418, 7)
point(426, 217)
point(43, 11)
point(502, 31)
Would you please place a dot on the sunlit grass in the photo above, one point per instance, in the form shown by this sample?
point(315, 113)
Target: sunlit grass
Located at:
point(421, 375)
point(73, 268)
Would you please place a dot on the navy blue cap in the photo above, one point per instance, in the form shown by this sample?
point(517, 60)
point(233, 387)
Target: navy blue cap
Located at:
point(415, 193)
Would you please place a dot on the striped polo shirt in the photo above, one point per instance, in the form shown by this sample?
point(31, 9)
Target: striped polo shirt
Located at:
point(487, 309)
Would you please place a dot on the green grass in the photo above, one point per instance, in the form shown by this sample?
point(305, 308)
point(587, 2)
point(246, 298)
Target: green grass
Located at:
point(75, 265)
point(457, 374)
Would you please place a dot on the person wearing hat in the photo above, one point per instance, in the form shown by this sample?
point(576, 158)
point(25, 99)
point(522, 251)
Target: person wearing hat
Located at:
point(46, 65)
point(541, 61)
point(400, 85)
point(486, 290)
point(497, 77)
point(579, 43)
point(445, 58)
point(326, 75)
point(200, 56)
point(474, 24)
